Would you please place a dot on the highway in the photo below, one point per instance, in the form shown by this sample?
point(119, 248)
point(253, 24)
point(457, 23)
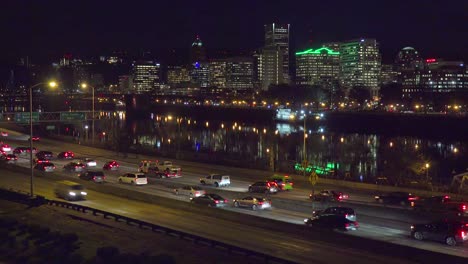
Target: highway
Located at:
point(389, 224)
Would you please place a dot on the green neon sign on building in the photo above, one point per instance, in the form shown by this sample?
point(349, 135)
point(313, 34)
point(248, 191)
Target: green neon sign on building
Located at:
point(318, 51)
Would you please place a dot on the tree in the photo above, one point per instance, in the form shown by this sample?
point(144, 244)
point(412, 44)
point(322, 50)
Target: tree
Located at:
point(360, 94)
point(391, 93)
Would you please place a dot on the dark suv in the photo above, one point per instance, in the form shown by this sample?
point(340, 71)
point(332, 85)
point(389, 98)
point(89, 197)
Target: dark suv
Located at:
point(401, 198)
point(47, 155)
point(264, 187)
point(451, 233)
point(95, 176)
point(347, 212)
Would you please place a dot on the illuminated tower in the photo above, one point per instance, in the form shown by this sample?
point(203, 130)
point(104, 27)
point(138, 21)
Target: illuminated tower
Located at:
point(317, 67)
point(197, 52)
point(277, 36)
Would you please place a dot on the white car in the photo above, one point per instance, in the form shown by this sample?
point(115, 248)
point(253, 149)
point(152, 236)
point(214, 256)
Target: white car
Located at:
point(136, 178)
point(89, 162)
point(217, 180)
point(192, 191)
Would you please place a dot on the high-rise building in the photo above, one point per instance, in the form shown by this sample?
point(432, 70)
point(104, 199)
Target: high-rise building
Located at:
point(441, 76)
point(200, 74)
point(360, 64)
point(197, 51)
point(239, 73)
point(272, 61)
point(409, 65)
point(177, 76)
point(218, 73)
point(145, 76)
point(388, 74)
point(277, 36)
point(257, 69)
point(318, 67)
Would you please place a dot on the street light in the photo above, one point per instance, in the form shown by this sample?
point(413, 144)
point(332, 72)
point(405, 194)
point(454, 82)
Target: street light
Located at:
point(52, 85)
point(84, 86)
point(304, 148)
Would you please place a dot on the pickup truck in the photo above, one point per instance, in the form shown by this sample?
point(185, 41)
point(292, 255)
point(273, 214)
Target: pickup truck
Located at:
point(167, 167)
point(216, 179)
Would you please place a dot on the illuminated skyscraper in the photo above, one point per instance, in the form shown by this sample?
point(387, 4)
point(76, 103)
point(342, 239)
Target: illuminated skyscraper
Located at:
point(177, 76)
point(272, 61)
point(317, 67)
point(197, 51)
point(360, 64)
point(145, 76)
point(239, 73)
point(277, 36)
point(218, 73)
point(200, 74)
point(409, 65)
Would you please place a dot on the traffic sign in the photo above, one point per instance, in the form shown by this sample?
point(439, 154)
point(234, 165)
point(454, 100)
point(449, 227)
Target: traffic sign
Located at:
point(313, 178)
point(72, 116)
point(23, 117)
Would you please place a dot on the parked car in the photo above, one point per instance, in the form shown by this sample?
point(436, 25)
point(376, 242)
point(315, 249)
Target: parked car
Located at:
point(44, 155)
point(217, 180)
point(66, 155)
point(346, 212)
point(401, 198)
point(448, 232)
point(9, 158)
point(136, 178)
point(332, 222)
point(46, 167)
point(264, 187)
point(74, 166)
point(329, 195)
point(211, 200)
point(89, 162)
point(111, 165)
point(253, 202)
point(284, 182)
point(95, 176)
point(192, 191)
point(69, 190)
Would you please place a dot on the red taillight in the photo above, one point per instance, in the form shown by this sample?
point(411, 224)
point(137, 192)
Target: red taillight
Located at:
point(216, 201)
point(260, 203)
point(346, 215)
point(346, 225)
point(291, 183)
point(94, 177)
point(463, 207)
point(340, 197)
point(225, 200)
point(412, 198)
point(356, 224)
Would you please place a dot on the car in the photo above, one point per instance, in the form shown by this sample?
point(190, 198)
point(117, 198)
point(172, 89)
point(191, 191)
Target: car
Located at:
point(9, 158)
point(264, 187)
point(74, 166)
point(89, 162)
point(95, 176)
point(136, 178)
point(34, 138)
point(329, 195)
point(210, 199)
point(45, 155)
point(4, 134)
point(346, 212)
point(401, 198)
point(192, 191)
point(252, 202)
point(111, 165)
point(69, 190)
point(23, 150)
point(284, 182)
point(431, 203)
point(448, 232)
point(217, 180)
point(46, 167)
point(5, 148)
point(332, 222)
point(37, 160)
point(66, 155)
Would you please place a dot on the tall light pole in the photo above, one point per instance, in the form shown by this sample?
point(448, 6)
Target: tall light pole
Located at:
point(51, 84)
point(427, 172)
point(84, 86)
point(304, 148)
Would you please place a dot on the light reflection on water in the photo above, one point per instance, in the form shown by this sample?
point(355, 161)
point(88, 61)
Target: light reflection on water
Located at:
point(281, 145)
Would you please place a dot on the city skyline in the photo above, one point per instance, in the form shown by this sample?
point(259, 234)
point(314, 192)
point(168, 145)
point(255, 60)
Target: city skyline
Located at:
point(52, 28)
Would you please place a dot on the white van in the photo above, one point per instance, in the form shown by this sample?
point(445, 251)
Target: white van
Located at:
point(216, 180)
point(69, 190)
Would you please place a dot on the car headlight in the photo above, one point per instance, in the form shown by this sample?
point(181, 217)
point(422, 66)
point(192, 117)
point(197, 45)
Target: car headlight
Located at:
point(84, 193)
point(72, 193)
point(306, 220)
point(376, 197)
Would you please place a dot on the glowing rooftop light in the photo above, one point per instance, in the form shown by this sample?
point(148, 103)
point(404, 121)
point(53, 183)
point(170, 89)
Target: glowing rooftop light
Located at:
point(318, 51)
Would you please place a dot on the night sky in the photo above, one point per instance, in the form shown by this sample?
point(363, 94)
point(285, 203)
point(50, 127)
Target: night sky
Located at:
point(45, 29)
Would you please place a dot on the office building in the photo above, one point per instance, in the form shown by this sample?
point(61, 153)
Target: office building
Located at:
point(441, 76)
point(197, 51)
point(409, 65)
point(200, 74)
point(145, 76)
point(277, 36)
point(317, 67)
point(239, 73)
point(388, 74)
point(360, 64)
point(217, 70)
point(178, 76)
point(272, 70)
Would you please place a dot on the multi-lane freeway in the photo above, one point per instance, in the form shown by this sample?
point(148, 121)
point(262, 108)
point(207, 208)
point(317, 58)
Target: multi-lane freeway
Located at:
point(389, 224)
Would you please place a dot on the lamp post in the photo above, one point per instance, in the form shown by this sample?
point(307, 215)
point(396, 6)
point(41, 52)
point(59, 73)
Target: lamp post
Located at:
point(84, 86)
point(427, 172)
point(304, 148)
point(51, 84)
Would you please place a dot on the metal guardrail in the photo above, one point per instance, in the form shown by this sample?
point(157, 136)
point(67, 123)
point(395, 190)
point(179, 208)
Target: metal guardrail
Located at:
point(23, 197)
